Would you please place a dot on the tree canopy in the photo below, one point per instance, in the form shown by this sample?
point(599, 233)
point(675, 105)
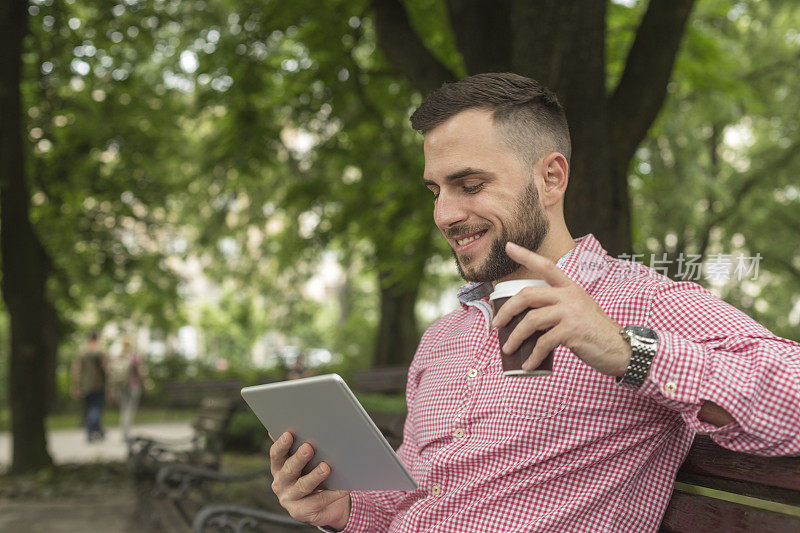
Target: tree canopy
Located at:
point(249, 143)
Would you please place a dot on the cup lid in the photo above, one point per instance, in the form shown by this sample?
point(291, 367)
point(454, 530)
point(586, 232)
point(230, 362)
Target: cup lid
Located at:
point(507, 289)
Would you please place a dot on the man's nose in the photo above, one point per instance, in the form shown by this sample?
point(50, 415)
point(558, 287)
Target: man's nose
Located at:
point(448, 211)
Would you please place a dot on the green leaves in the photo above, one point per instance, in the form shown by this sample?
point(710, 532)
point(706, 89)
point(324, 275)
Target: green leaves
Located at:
point(717, 173)
point(252, 138)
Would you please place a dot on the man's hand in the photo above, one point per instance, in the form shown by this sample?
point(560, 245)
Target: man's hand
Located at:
point(572, 318)
point(298, 494)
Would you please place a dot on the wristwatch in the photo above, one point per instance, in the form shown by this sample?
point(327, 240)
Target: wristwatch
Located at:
point(644, 343)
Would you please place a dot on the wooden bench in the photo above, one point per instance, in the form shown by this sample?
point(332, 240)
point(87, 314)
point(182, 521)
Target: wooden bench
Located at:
point(204, 448)
point(215, 401)
point(717, 489)
point(182, 394)
point(390, 379)
point(148, 456)
point(385, 380)
point(184, 492)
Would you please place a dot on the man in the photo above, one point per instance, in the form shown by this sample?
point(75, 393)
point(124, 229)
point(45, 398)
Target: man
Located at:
point(89, 382)
point(642, 363)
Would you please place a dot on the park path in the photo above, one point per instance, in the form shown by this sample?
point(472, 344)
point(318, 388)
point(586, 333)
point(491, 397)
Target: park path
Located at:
point(70, 446)
point(95, 511)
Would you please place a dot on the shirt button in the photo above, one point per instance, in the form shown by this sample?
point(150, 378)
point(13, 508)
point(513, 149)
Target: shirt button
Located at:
point(436, 490)
point(670, 387)
point(472, 372)
point(458, 433)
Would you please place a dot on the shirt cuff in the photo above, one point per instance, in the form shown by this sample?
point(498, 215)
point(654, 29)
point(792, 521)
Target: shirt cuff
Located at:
point(676, 373)
point(361, 519)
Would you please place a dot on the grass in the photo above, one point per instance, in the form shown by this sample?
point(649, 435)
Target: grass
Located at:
point(72, 420)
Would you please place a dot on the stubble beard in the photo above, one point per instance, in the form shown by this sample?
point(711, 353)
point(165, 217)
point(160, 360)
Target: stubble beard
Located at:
point(529, 233)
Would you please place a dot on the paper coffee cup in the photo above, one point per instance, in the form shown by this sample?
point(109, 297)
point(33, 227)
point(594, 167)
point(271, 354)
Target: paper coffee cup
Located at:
point(512, 363)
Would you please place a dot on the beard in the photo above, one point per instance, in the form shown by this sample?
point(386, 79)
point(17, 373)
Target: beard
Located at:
point(530, 230)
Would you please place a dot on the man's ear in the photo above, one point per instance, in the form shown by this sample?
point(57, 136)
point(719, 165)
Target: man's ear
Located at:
point(555, 177)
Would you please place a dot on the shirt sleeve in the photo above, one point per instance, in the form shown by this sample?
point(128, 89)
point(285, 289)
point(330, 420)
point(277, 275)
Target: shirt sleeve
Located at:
point(711, 351)
point(374, 511)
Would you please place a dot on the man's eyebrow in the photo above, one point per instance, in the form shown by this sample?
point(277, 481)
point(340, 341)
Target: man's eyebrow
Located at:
point(463, 173)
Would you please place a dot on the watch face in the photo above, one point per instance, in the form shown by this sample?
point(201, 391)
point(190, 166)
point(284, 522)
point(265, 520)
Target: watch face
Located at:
point(645, 335)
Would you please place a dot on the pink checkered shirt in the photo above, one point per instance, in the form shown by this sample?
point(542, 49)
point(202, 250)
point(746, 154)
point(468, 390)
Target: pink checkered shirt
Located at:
point(575, 451)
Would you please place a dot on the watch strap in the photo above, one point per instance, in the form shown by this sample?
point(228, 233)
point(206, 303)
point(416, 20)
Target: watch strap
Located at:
point(644, 344)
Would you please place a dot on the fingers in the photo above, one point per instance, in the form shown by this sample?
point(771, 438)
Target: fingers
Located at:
point(300, 494)
point(307, 484)
point(529, 297)
point(293, 467)
point(534, 320)
point(539, 264)
point(321, 508)
point(544, 345)
point(279, 452)
point(287, 472)
point(324, 498)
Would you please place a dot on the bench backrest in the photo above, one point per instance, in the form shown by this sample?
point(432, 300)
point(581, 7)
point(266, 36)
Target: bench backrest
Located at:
point(212, 419)
point(390, 379)
point(192, 393)
point(721, 490)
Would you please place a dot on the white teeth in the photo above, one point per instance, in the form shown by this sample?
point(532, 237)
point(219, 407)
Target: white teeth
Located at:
point(469, 239)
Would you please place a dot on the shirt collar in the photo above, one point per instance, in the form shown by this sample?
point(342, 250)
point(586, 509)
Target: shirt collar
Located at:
point(586, 257)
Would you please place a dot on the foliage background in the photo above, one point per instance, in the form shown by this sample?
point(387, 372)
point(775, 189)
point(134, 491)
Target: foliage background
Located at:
point(246, 143)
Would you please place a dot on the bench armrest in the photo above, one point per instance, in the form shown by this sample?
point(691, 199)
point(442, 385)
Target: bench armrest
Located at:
point(228, 517)
point(176, 480)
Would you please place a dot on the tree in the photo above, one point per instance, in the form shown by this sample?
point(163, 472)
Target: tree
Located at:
point(26, 265)
point(74, 196)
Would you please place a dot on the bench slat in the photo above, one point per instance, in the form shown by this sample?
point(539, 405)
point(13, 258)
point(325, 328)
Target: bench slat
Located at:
point(690, 513)
point(386, 379)
point(708, 458)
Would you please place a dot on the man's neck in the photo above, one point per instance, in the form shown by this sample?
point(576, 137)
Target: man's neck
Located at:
point(555, 248)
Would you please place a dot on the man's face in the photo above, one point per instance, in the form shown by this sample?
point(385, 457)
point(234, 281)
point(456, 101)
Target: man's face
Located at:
point(484, 197)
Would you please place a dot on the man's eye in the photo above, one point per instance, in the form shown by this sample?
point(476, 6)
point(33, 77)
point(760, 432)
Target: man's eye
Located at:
point(473, 189)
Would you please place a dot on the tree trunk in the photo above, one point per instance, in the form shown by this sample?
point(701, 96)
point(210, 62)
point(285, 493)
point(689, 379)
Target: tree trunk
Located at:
point(397, 329)
point(569, 58)
point(53, 333)
point(25, 264)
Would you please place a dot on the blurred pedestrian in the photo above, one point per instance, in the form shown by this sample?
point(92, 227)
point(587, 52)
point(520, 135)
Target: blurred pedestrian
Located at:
point(89, 382)
point(127, 377)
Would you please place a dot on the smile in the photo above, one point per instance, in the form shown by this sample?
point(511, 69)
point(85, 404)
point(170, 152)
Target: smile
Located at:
point(470, 238)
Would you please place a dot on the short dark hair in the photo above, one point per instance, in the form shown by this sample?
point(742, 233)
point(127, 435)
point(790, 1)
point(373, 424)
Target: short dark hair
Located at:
point(527, 113)
point(93, 335)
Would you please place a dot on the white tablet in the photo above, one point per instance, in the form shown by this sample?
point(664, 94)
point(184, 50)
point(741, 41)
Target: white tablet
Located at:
point(322, 411)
